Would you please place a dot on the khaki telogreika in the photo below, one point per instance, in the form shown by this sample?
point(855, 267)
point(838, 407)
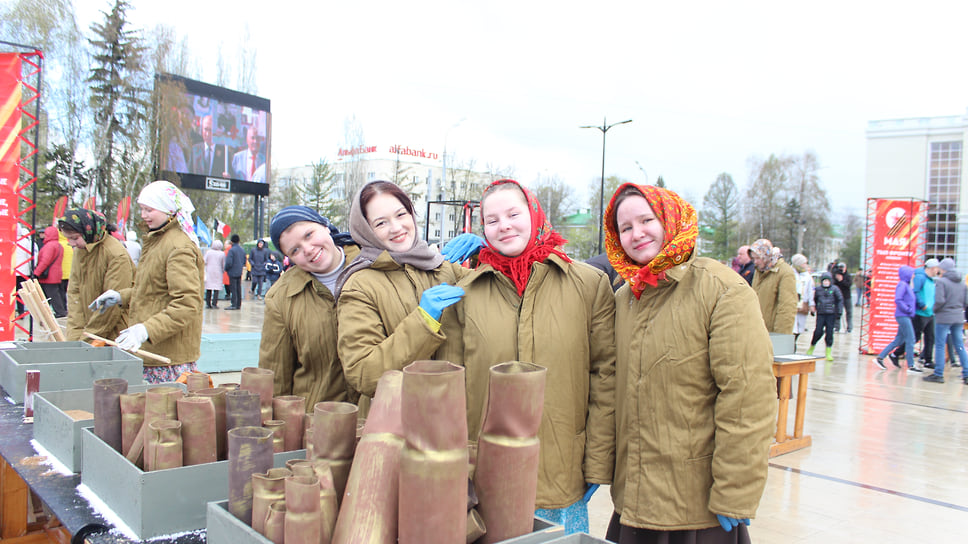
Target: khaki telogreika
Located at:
point(696, 400)
point(299, 338)
point(776, 290)
point(167, 295)
point(102, 265)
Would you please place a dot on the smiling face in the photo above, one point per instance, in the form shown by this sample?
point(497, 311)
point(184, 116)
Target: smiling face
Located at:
point(507, 220)
point(641, 233)
point(393, 225)
point(154, 218)
point(310, 246)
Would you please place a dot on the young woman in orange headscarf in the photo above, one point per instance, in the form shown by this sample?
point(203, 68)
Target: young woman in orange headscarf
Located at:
point(527, 301)
point(695, 395)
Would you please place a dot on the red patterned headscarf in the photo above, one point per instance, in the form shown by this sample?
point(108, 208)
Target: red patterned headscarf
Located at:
point(677, 216)
point(544, 241)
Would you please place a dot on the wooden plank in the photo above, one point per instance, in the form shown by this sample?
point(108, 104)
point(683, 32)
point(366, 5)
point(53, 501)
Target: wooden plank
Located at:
point(781, 416)
point(32, 538)
point(13, 503)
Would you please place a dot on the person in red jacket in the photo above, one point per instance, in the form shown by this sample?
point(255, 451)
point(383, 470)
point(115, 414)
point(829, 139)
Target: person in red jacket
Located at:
point(49, 271)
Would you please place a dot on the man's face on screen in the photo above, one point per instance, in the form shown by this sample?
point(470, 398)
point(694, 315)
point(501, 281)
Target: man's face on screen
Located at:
point(252, 140)
point(207, 129)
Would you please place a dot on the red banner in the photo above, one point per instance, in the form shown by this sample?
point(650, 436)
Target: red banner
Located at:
point(897, 229)
point(124, 208)
point(9, 156)
point(60, 208)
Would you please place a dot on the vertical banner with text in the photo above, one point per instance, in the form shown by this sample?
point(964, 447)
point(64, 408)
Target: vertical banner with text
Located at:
point(897, 239)
point(9, 155)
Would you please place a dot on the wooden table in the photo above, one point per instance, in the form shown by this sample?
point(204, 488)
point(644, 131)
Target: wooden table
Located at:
point(784, 368)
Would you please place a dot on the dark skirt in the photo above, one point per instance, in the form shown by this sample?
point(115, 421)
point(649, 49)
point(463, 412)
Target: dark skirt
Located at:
point(624, 534)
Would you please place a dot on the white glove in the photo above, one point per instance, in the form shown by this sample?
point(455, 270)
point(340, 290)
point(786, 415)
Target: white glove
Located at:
point(106, 300)
point(131, 338)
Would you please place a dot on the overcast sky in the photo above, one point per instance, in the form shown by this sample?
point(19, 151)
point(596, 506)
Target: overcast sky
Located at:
point(708, 85)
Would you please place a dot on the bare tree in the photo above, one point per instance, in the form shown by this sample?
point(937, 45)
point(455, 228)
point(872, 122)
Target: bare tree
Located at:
point(319, 191)
point(556, 197)
point(765, 197)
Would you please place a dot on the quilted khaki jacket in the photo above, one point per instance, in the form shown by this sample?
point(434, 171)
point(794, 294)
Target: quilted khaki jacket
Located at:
point(299, 338)
point(564, 322)
point(776, 290)
point(102, 265)
point(379, 325)
point(167, 295)
point(695, 400)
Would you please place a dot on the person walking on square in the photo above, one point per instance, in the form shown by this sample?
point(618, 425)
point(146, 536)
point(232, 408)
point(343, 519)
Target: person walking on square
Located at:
point(234, 266)
point(258, 258)
point(923, 322)
point(826, 303)
point(49, 270)
point(950, 300)
point(904, 302)
point(214, 268)
point(805, 290)
point(843, 282)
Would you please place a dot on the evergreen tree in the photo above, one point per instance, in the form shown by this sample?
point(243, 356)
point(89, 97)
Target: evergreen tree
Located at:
point(118, 101)
point(719, 218)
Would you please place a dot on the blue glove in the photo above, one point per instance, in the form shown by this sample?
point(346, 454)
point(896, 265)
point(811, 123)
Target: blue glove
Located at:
point(131, 338)
point(106, 300)
point(590, 490)
point(729, 523)
point(461, 247)
point(434, 300)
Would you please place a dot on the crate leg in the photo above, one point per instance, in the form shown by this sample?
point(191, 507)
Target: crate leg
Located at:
point(13, 502)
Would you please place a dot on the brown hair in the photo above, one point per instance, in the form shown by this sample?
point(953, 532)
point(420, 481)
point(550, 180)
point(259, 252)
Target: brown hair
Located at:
point(374, 188)
point(629, 190)
point(66, 228)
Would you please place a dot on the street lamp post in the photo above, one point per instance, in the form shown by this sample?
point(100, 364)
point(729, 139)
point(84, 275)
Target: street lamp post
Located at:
point(601, 196)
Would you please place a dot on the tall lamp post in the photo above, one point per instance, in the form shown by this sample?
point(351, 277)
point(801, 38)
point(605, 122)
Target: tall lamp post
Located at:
point(601, 196)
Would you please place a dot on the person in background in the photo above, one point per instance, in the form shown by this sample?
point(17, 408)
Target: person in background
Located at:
point(100, 263)
point(923, 322)
point(513, 311)
point(234, 266)
point(950, 301)
point(214, 269)
point(66, 266)
point(859, 280)
point(395, 299)
point(133, 247)
point(695, 394)
point(49, 270)
point(826, 302)
point(600, 262)
point(226, 284)
point(257, 260)
point(843, 282)
point(746, 266)
point(273, 269)
point(165, 303)
point(904, 306)
point(775, 284)
point(114, 232)
point(25, 260)
point(299, 328)
point(804, 294)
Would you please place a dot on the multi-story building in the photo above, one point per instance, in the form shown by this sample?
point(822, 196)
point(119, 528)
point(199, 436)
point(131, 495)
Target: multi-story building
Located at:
point(922, 158)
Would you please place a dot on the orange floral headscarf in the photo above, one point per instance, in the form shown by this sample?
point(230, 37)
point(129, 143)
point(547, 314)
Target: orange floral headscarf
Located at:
point(677, 216)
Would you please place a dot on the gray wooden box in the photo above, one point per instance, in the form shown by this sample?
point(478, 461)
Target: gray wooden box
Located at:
point(783, 344)
point(224, 528)
point(64, 368)
point(59, 433)
point(161, 502)
point(579, 538)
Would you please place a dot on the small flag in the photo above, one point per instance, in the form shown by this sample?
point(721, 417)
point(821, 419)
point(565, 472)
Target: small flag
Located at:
point(202, 232)
point(223, 229)
point(124, 207)
point(59, 208)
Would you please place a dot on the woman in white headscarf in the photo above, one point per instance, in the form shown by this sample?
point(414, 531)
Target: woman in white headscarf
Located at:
point(165, 303)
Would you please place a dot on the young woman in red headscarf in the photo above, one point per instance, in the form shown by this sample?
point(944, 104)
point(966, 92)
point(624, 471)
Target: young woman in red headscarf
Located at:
point(695, 396)
point(527, 301)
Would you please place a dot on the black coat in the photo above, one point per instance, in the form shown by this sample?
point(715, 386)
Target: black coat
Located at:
point(235, 261)
point(828, 300)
